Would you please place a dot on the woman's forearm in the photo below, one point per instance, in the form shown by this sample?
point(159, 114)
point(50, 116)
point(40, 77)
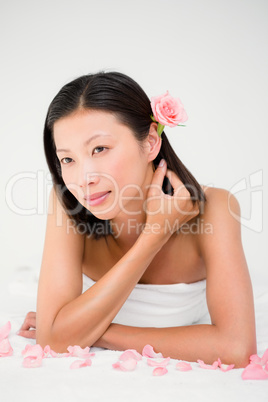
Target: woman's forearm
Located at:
point(204, 342)
point(86, 318)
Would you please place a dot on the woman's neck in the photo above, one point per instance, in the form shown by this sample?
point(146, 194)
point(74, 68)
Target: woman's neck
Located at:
point(126, 227)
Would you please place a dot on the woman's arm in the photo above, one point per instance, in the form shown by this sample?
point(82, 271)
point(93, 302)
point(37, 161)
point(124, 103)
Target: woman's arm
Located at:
point(64, 315)
point(231, 336)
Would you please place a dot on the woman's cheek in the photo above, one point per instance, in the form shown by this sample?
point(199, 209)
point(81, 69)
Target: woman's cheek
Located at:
point(72, 186)
point(129, 183)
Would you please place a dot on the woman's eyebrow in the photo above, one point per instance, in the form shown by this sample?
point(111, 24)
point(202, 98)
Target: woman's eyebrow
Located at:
point(86, 142)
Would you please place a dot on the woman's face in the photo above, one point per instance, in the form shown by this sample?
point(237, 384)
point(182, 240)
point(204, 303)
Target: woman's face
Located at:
point(102, 163)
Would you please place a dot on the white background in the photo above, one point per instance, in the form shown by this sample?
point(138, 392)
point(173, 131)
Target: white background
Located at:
point(212, 54)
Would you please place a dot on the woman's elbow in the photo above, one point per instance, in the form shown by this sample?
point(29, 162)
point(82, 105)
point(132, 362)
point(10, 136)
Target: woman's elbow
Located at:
point(243, 357)
point(238, 353)
point(59, 341)
point(54, 341)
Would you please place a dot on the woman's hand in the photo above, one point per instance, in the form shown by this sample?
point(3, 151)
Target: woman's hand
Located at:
point(28, 328)
point(167, 213)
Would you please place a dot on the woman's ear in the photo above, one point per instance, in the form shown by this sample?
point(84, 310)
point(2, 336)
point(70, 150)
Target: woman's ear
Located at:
point(154, 142)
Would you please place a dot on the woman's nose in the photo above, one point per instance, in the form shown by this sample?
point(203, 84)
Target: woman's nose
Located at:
point(86, 174)
point(88, 178)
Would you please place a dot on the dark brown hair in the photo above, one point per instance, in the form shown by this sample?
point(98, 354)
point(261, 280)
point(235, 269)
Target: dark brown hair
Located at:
point(120, 95)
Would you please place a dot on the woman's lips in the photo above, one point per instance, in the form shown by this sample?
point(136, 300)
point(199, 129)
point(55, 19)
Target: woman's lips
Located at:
point(97, 198)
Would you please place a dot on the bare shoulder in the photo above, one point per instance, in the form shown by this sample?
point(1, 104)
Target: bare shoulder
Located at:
point(220, 215)
point(219, 201)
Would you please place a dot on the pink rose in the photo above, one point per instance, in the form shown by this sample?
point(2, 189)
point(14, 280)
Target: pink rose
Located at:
point(167, 110)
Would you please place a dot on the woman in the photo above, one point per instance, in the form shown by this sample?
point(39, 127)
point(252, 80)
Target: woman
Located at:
point(126, 216)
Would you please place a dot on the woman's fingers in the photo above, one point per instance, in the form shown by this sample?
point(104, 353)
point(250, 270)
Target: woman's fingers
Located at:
point(164, 210)
point(158, 178)
point(31, 334)
point(184, 199)
point(29, 322)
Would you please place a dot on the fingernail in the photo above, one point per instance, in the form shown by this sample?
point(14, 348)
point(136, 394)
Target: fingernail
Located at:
point(162, 162)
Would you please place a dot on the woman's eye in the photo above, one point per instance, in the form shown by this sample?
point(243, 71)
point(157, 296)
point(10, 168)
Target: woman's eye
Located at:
point(97, 150)
point(65, 161)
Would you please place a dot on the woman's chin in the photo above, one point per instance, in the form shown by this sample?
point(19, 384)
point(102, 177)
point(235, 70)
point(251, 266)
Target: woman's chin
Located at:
point(104, 214)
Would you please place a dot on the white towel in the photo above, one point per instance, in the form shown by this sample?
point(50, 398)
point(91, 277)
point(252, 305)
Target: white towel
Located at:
point(162, 305)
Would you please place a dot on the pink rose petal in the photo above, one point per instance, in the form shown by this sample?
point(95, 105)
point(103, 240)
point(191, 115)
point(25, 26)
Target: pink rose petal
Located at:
point(254, 372)
point(264, 359)
point(33, 351)
point(158, 362)
point(160, 371)
point(214, 366)
point(148, 351)
point(46, 351)
point(59, 355)
point(5, 348)
point(80, 363)
point(49, 352)
point(183, 366)
point(32, 362)
point(259, 360)
point(126, 365)
point(33, 356)
point(28, 346)
point(255, 359)
point(4, 331)
point(77, 351)
point(130, 354)
point(225, 367)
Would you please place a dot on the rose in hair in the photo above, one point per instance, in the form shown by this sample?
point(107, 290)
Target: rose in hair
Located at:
point(167, 111)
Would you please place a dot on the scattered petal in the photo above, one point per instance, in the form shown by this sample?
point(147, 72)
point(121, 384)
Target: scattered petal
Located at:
point(33, 356)
point(148, 351)
point(225, 367)
point(255, 359)
point(127, 365)
point(4, 331)
point(160, 371)
point(259, 360)
point(130, 354)
point(77, 351)
point(183, 366)
point(264, 359)
point(32, 362)
point(158, 362)
point(214, 366)
point(28, 346)
point(59, 355)
point(55, 354)
point(5, 348)
point(33, 351)
point(80, 363)
point(254, 372)
point(49, 352)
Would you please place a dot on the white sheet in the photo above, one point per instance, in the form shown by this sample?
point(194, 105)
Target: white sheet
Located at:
point(55, 381)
